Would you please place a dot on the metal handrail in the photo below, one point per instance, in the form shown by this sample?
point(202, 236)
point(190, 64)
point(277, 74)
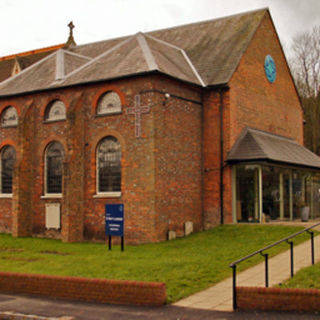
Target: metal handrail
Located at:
point(233, 265)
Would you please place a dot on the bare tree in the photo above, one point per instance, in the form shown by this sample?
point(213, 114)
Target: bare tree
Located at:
point(305, 67)
point(305, 63)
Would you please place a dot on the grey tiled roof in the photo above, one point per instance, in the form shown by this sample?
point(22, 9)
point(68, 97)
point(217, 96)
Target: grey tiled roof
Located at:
point(25, 60)
point(258, 145)
point(205, 53)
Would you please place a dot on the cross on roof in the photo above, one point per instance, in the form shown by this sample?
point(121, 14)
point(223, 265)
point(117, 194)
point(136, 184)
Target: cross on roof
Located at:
point(71, 26)
point(70, 42)
point(138, 110)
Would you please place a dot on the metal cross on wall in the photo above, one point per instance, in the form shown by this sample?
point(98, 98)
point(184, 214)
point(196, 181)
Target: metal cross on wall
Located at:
point(138, 110)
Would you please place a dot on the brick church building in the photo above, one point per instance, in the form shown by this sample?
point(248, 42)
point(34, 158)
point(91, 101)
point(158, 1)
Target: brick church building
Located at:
point(199, 124)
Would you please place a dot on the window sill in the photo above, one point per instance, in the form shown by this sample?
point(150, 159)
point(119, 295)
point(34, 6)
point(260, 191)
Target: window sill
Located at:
point(6, 195)
point(9, 126)
point(112, 113)
point(54, 120)
point(108, 195)
point(52, 196)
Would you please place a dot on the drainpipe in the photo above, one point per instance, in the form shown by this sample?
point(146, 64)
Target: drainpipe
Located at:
point(221, 92)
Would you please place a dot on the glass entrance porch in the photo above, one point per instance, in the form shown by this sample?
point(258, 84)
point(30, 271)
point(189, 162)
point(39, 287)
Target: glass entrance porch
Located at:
point(264, 192)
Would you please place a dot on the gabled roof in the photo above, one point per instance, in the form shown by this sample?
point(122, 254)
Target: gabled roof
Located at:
point(256, 145)
point(215, 47)
point(205, 53)
point(25, 59)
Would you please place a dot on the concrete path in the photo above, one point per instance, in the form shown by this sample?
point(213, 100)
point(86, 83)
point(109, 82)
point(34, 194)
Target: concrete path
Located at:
point(219, 297)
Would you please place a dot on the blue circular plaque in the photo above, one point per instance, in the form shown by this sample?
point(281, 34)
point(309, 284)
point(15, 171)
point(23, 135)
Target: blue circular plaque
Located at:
point(270, 68)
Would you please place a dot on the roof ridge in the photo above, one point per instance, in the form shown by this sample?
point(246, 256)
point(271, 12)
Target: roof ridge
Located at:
point(147, 33)
point(76, 54)
point(146, 51)
point(60, 65)
point(162, 41)
point(211, 20)
point(193, 68)
point(99, 57)
point(27, 69)
point(271, 134)
point(248, 42)
point(30, 52)
point(257, 143)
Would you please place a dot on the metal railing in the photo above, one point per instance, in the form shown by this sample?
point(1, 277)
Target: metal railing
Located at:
point(233, 265)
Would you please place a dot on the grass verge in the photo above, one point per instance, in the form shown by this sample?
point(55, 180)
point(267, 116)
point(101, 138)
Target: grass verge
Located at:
point(186, 265)
point(306, 278)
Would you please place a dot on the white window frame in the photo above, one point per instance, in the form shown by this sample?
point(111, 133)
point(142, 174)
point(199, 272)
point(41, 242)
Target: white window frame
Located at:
point(45, 187)
point(2, 114)
point(116, 110)
point(48, 109)
point(106, 194)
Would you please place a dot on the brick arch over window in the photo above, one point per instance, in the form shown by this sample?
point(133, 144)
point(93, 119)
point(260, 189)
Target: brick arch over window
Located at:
point(108, 165)
point(50, 99)
point(109, 103)
point(105, 94)
point(7, 161)
point(9, 116)
point(53, 167)
point(55, 111)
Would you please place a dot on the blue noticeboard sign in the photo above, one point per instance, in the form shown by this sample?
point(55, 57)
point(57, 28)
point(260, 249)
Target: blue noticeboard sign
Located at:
point(114, 219)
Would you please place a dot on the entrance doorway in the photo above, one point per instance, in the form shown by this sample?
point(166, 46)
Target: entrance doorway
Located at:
point(263, 192)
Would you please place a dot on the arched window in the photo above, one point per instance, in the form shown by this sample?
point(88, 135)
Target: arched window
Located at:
point(109, 165)
point(55, 111)
point(108, 103)
point(8, 158)
point(9, 117)
point(53, 168)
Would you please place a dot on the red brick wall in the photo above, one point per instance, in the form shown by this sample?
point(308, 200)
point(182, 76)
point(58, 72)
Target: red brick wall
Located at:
point(278, 299)
point(83, 289)
point(178, 158)
point(5, 215)
point(137, 163)
point(254, 101)
point(144, 187)
point(211, 158)
point(8, 136)
point(80, 133)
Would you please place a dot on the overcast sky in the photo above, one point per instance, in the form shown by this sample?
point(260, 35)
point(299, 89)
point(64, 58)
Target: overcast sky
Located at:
point(32, 24)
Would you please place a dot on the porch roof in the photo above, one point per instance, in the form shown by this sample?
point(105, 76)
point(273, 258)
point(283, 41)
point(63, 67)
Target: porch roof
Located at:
point(258, 145)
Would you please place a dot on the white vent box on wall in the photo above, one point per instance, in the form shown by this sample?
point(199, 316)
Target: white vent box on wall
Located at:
point(53, 216)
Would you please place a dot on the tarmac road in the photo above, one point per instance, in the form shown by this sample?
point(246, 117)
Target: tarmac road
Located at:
point(89, 311)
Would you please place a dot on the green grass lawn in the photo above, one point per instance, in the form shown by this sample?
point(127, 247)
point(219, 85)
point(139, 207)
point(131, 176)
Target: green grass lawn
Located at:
point(307, 278)
point(186, 265)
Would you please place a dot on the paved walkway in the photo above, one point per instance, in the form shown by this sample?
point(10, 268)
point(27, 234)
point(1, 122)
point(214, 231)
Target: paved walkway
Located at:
point(219, 297)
